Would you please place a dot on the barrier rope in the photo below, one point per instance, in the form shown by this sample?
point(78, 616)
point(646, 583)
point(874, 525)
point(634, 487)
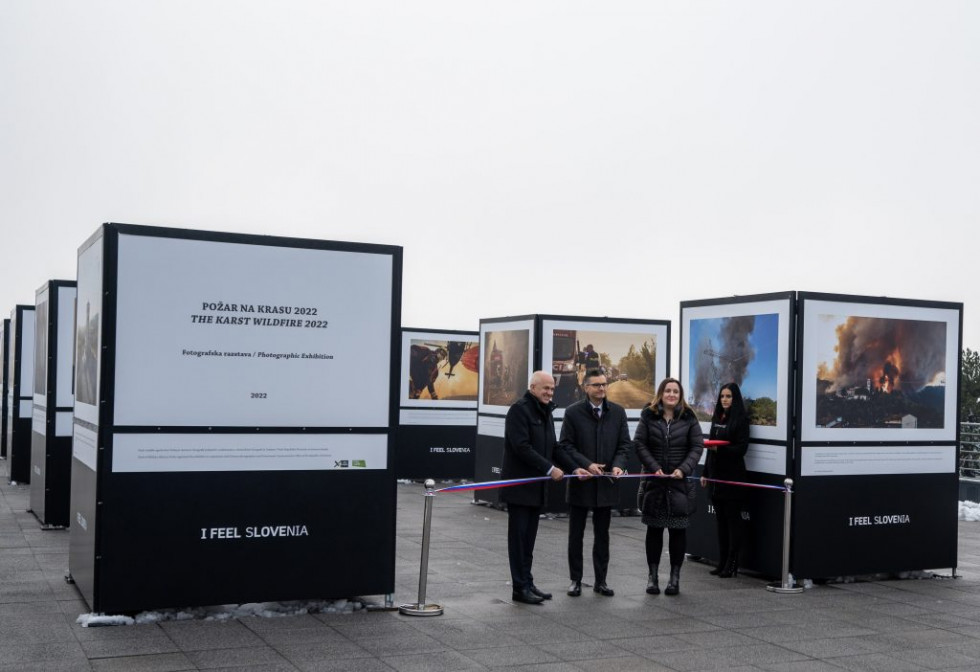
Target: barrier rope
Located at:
point(490, 485)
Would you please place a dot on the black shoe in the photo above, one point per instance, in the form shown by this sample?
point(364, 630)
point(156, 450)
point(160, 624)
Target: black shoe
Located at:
point(717, 570)
point(674, 582)
point(526, 596)
point(603, 590)
point(575, 589)
point(540, 593)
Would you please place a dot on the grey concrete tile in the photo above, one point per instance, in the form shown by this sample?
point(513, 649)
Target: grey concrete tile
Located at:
point(30, 652)
point(401, 644)
point(937, 658)
point(836, 647)
point(621, 664)
point(588, 649)
point(197, 635)
point(165, 662)
point(876, 662)
point(304, 655)
point(48, 666)
point(224, 658)
point(510, 656)
point(801, 666)
point(442, 661)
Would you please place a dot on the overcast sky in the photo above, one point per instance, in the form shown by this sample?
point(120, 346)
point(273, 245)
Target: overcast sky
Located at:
point(574, 158)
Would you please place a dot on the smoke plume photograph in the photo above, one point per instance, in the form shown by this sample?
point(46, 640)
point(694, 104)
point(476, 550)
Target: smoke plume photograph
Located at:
point(741, 349)
point(628, 360)
point(443, 370)
point(880, 372)
point(505, 365)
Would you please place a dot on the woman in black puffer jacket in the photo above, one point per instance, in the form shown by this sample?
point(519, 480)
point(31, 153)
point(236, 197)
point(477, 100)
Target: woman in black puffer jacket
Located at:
point(669, 443)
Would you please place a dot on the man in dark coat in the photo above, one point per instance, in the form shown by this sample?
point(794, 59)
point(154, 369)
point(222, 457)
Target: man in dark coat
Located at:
point(595, 439)
point(529, 445)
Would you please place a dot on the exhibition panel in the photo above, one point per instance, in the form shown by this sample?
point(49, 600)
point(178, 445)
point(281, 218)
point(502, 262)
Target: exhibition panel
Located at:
point(746, 340)
point(437, 400)
point(235, 405)
point(51, 428)
point(20, 393)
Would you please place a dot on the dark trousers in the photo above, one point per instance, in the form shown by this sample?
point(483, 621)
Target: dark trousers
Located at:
point(522, 530)
point(677, 546)
point(577, 515)
point(731, 529)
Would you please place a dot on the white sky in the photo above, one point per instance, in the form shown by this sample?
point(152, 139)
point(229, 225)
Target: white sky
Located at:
point(572, 158)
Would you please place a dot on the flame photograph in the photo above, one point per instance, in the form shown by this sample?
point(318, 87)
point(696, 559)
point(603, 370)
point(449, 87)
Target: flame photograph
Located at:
point(877, 372)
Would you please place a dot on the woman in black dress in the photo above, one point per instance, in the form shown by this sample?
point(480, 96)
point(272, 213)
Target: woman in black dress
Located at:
point(729, 423)
point(668, 442)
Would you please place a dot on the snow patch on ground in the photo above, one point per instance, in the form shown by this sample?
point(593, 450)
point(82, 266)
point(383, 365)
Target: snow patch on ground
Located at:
point(969, 511)
point(226, 612)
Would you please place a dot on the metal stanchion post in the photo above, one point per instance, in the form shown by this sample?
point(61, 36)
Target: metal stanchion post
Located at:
point(787, 585)
point(420, 608)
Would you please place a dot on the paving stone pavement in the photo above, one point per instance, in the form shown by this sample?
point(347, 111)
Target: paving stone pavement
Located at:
point(714, 624)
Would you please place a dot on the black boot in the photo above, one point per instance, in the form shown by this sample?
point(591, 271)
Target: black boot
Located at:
point(719, 569)
point(653, 581)
point(731, 568)
point(674, 583)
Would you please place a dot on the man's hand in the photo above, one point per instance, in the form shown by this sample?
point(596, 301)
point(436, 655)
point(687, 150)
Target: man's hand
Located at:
point(557, 474)
point(596, 469)
point(617, 471)
point(583, 474)
point(677, 474)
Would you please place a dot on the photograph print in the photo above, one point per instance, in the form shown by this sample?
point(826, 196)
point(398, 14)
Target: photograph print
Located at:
point(631, 355)
point(41, 348)
point(505, 364)
point(879, 372)
point(88, 309)
point(440, 369)
point(746, 342)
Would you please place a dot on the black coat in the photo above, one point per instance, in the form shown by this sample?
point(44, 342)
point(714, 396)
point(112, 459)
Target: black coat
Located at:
point(667, 447)
point(529, 448)
point(727, 463)
point(585, 440)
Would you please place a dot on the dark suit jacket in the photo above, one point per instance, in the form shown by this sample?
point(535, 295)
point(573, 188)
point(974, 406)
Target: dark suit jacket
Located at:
point(585, 440)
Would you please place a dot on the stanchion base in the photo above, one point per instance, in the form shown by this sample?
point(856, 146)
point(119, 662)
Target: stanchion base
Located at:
point(779, 588)
point(420, 609)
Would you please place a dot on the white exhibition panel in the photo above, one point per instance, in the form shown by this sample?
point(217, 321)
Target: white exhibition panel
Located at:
point(83, 446)
point(66, 347)
point(39, 376)
point(490, 425)
point(409, 416)
point(780, 381)
point(88, 334)
point(404, 400)
point(26, 345)
point(609, 331)
point(229, 334)
point(63, 423)
point(25, 409)
point(248, 452)
point(876, 460)
point(820, 342)
point(38, 417)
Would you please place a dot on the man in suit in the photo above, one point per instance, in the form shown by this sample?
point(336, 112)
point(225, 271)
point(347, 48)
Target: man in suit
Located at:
point(594, 439)
point(529, 446)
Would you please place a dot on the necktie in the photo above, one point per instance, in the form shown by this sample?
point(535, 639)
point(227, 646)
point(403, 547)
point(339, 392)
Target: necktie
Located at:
point(595, 412)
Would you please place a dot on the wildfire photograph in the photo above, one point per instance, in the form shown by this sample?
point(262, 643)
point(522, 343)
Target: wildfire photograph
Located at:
point(880, 372)
point(740, 349)
point(443, 370)
point(505, 366)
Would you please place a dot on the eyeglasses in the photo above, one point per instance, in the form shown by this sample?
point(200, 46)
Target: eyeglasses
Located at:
point(597, 384)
